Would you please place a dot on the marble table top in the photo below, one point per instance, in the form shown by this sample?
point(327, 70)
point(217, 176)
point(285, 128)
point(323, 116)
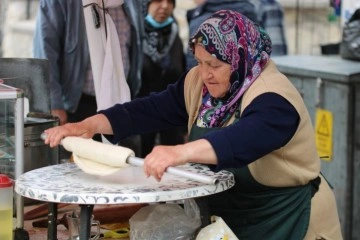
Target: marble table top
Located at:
point(66, 183)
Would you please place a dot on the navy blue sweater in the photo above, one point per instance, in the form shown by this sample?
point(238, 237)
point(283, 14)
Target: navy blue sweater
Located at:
point(265, 125)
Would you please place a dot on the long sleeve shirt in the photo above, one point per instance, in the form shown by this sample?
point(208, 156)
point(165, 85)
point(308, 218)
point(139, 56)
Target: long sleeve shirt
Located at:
point(266, 124)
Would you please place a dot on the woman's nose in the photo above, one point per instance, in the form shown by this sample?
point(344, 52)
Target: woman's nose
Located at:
point(205, 72)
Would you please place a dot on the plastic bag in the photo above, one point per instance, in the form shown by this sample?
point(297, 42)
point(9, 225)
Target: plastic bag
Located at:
point(350, 43)
point(166, 221)
point(218, 230)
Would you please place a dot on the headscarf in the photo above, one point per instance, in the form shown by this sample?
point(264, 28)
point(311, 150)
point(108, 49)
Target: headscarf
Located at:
point(234, 39)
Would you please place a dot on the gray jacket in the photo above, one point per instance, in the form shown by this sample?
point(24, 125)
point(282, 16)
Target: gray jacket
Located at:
point(66, 48)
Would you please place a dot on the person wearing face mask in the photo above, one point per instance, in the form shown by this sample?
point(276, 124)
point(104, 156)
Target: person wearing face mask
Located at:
point(163, 63)
point(243, 116)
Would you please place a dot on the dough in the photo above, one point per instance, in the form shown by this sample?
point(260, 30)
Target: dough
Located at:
point(94, 168)
point(95, 157)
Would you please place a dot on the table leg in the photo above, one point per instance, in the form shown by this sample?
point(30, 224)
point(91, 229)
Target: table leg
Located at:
point(52, 221)
point(203, 205)
point(85, 221)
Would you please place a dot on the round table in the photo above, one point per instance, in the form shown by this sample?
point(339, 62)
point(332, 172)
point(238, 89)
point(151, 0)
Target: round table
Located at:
point(66, 183)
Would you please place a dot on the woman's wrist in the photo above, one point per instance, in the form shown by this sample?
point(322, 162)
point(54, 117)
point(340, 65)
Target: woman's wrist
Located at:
point(200, 151)
point(98, 124)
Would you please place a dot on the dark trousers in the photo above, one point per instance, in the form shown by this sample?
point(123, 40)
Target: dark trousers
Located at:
point(172, 136)
point(87, 107)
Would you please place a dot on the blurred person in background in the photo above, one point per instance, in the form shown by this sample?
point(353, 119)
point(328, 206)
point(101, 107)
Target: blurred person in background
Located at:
point(60, 37)
point(163, 63)
point(270, 15)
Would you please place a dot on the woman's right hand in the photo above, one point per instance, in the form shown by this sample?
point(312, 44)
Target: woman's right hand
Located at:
point(56, 134)
point(86, 129)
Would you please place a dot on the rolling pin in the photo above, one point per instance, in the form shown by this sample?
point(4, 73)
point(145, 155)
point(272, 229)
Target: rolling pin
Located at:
point(88, 153)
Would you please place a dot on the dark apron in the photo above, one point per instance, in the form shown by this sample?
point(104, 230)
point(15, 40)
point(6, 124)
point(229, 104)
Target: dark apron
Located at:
point(254, 211)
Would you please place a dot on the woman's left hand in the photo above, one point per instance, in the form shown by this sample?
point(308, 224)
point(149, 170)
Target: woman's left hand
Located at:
point(162, 157)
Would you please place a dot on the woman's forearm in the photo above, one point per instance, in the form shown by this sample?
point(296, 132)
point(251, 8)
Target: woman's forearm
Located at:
point(200, 151)
point(98, 124)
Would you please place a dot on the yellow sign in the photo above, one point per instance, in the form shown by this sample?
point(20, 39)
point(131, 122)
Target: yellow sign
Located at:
point(324, 133)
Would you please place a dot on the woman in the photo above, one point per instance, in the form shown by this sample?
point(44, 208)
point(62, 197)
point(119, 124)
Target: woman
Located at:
point(243, 116)
point(164, 63)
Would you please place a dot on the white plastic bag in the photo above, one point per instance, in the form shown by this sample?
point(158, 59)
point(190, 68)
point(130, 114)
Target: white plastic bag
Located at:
point(165, 222)
point(218, 230)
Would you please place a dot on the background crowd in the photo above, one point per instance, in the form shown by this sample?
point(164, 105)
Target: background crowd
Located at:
point(152, 53)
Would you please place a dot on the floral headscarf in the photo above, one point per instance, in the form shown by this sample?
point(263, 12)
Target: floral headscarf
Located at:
point(234, 39)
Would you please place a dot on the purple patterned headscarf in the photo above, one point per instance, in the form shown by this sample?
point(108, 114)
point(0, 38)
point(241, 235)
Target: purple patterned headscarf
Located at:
point(234, 39)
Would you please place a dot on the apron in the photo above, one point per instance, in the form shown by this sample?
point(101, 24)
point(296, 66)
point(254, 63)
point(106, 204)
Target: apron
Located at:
point(254, 211)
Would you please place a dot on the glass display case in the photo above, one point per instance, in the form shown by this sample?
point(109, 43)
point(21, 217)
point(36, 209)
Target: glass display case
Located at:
point(11, 142)
point(32, 77)
point(11, 131)
point(24, 115)
point(21, 148)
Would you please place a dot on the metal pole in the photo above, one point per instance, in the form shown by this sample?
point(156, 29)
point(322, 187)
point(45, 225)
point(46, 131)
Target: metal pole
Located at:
point(19, 155)
point(28, 9)
point(297, 20)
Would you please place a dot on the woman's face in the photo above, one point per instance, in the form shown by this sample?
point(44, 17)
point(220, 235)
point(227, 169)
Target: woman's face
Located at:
point(214, 73)
point(160, 10)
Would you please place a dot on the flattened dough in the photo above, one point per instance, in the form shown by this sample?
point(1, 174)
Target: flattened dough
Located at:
point(95, 157)
point(94, 168)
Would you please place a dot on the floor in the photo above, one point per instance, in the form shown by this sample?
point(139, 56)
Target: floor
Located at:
point(40, 233)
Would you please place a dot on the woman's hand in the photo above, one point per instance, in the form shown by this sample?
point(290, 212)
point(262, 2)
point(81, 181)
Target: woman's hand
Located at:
point(162, 157)
point(86, 129)
point(56, 134)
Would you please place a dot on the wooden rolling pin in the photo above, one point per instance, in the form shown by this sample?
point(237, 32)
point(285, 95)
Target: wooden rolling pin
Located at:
point(105, 215)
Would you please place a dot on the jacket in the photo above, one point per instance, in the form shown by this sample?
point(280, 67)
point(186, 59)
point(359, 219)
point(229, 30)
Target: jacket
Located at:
point(66, 48)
